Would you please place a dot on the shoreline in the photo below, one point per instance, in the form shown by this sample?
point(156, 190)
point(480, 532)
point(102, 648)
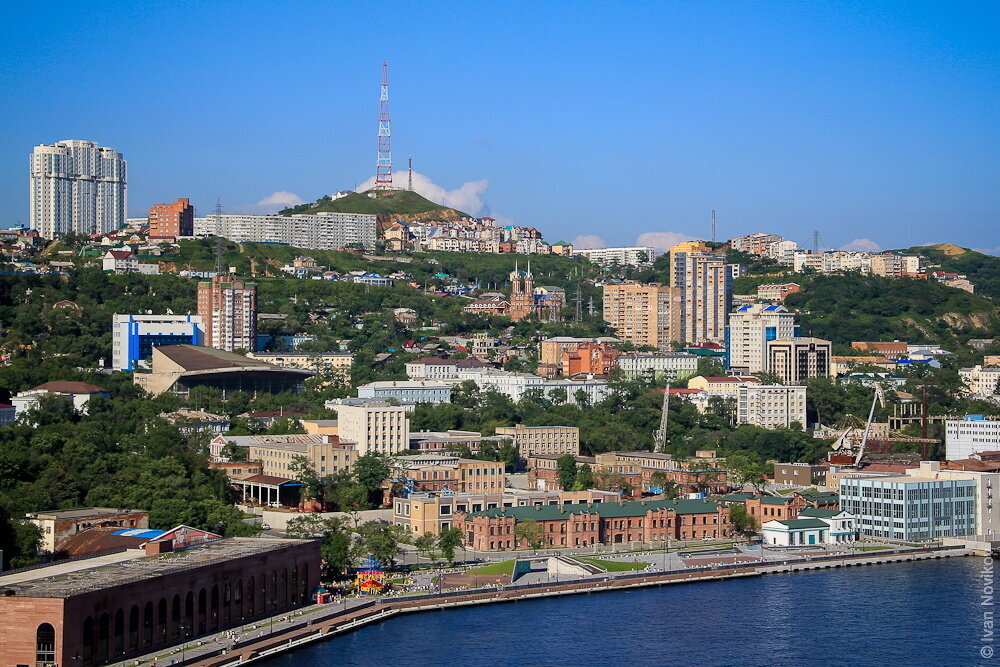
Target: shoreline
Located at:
point(310, 632)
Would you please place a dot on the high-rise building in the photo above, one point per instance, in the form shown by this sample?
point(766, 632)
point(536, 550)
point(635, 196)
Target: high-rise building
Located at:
point(168, 221)
point(797, 359)
point(701, 294)
point(228, 311)
point(76, 186)
point(639, 314)
point(750, 328)
point(377, 426)
point(133, 336)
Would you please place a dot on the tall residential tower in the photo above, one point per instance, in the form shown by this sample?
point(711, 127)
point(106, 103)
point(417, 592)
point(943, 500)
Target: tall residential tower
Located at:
point(228, 311)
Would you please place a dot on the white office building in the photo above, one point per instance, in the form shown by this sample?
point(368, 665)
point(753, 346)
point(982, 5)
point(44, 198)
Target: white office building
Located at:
point(970, 435)
point(749, 331)
point(632, 256)
point(771, 405)
point(320, 231)
point(415, 391)
point(659, 365)
point(134, 336)
point(516, 385)
point(76, 186)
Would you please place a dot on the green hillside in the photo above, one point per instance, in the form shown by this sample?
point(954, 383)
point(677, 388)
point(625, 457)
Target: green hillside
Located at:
point(402, 204)
point(983, 270)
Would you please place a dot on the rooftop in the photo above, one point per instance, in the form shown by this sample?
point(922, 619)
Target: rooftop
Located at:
point(197, 358)
point(70, 387)
point(66, 580)
point(83, 513)
point(801, 524)
point(606, 510)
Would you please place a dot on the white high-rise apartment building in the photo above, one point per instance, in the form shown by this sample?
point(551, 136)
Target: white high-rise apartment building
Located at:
point(630, 256)
point(319, 231)
point(750, 329)
point(76, 186)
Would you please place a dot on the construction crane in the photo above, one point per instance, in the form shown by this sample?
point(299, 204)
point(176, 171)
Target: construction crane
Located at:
point(660, 437)
point(879, 397)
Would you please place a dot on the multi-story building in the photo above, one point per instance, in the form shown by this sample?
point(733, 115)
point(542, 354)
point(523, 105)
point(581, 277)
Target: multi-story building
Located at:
point(435, 368)
point(749, 331)
point(228, 311)
point(76, 186)
point(631, 256)
point(531, 440)
point(726, 387)
point(525, 300)
point(754, 244)
point(776, 291)
point(316, 231)
point(771, 405)
point(925, 503)
point(701, 294)
point(168, 221)
point(800, 474)
point(445, 472)
point(550, 350)
point(587, 524)
point(134, 336)
point(796, 359)
point(376, 426)
point(894, 265)
point(518, 385)
point(981, 380)
point(593, 358)
point(639, 314)
point(415, 391)
point(971, 435)
point(336, 364)
point(658, 365)
point(59, 526)
point(648, 471)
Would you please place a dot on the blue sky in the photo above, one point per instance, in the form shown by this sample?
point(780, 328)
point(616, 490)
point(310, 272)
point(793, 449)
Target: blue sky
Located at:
point(869, 120)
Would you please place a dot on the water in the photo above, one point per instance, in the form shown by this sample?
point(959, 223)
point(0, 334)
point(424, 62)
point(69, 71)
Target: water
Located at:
point(913, 614)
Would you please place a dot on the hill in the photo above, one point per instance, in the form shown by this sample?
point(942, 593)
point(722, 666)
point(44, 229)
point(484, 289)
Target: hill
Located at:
point(400, 205)
point(983, 270)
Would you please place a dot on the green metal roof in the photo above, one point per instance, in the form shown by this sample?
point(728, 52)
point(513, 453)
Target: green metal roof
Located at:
point(822, 497)
point(736, 497)
point(775, 500)
point(606, 510)
point(802, 524)
point(817, 512)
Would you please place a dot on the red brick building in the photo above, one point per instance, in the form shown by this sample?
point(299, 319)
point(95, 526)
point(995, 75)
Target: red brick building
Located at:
point(584, 524)
point(543, 470)
point(71, 614)
point(168, 221)
point(596, 358)
point(785, 508)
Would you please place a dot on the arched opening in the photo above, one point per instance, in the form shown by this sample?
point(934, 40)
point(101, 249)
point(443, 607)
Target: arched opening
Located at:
point(304, 595)
point(175, 617)
point(103, 636)
point(119, 637)
point(202, 610)
point(250, 594)
point(273, 601)
point(262, 603)
point(188, 625)
point(45, 644)
point(227, 603)
point(147, 624)
point(88, 640)
point(283, 588)
point(294, 589)
point(161, 621)
point(214, 618)
point(133, 628)
point(238, 600)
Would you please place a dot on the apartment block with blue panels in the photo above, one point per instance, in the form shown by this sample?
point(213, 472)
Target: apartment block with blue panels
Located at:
point(910, 507)
point(134, 336)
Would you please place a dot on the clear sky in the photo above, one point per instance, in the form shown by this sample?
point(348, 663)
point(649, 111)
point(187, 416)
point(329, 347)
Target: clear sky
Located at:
point(873, 122)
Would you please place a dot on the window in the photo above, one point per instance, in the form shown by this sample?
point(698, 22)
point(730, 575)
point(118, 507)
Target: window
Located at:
point(45, 644)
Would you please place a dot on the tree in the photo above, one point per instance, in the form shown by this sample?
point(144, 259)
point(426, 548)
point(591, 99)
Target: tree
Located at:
point(382, 541)
point(234, 452)
point(425, 544)
point(371, 470)
point(566, 470)
point(448, 540)
point(335, 539)
point(532, 532)
point(746, 469)
point(584, 478)
point(743, 522)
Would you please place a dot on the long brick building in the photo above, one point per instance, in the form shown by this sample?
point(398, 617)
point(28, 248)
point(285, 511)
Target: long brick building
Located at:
point(585, 524)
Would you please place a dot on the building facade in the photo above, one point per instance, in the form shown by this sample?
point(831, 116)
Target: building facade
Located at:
point(797, 359)
point(319, 231)
point(701, 294)
point(659, 365)
point(168, 221)
point(376, 426)
point(750, 330)
point(415, 391)
point(531, 440)
point(981, 380)
point(134, 336)
point(76, 186)
point(593, 358)
point(639, 313)
point(631, 256)
point(971, 435)
point(228, 311)
point(771, 405)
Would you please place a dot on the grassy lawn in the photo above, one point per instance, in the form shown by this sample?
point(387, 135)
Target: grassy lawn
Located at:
point(503, 567)
point(612, 565)
point(871, 548)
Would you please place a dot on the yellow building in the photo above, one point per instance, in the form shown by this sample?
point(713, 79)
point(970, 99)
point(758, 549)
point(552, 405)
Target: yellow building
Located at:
point(320, 426)
point(639, 314)
point(443, 472)
point(543, 439)
point(327, 454)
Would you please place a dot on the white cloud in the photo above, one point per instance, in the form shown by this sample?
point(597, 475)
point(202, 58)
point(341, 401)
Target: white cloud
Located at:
point(662, 240)
point(281, 198)
point(588, 242)
point(863, 245)
point(989, 251)
point(467, 198)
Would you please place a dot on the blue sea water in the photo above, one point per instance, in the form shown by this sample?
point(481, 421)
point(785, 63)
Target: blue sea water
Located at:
point(913, 614)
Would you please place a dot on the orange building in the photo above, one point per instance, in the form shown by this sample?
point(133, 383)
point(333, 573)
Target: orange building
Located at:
point(168, 221)
point(596, 358)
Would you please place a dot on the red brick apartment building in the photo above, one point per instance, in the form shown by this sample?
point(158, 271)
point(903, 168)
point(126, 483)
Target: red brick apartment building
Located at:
point(585, 524)
point(168, 221)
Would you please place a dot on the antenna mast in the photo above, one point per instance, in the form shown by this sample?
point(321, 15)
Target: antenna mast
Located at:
point(218, 237)
point(410, 175)
point(713, 225)
point(383, 164)
point(815, 241)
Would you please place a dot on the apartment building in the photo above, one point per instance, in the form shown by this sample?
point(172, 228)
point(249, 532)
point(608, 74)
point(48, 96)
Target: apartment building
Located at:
point(76, 186)
point(318, 231)
point(593, 358)
point(446, 472)
point(276, 454)
point(376, 426)
point(981, 380)
point(798, 358)
point(550, 350)
point(771, 405)
point(658, 365)
point(168, 221)
point(639, 314)
point(776, 291)
point(630, 256)
point(701, 294)
point(228, 311)
point(543, 439)
point(749, 331)
point(331, 363)
point(415, 391)
point(727, 386)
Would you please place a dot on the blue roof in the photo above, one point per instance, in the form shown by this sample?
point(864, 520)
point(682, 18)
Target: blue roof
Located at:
point(772, 308)
point(147, 533)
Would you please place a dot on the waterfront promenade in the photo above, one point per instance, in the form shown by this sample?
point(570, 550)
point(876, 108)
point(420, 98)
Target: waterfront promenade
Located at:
point(266, 637)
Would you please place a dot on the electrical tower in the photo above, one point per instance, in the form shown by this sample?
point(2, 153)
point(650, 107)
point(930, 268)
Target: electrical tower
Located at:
point(410, 175)
point(713, 225)
point(383, 164)
point(816, 242)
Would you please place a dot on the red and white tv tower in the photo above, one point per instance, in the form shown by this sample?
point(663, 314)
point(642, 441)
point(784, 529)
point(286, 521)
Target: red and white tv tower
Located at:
point(383, 165)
